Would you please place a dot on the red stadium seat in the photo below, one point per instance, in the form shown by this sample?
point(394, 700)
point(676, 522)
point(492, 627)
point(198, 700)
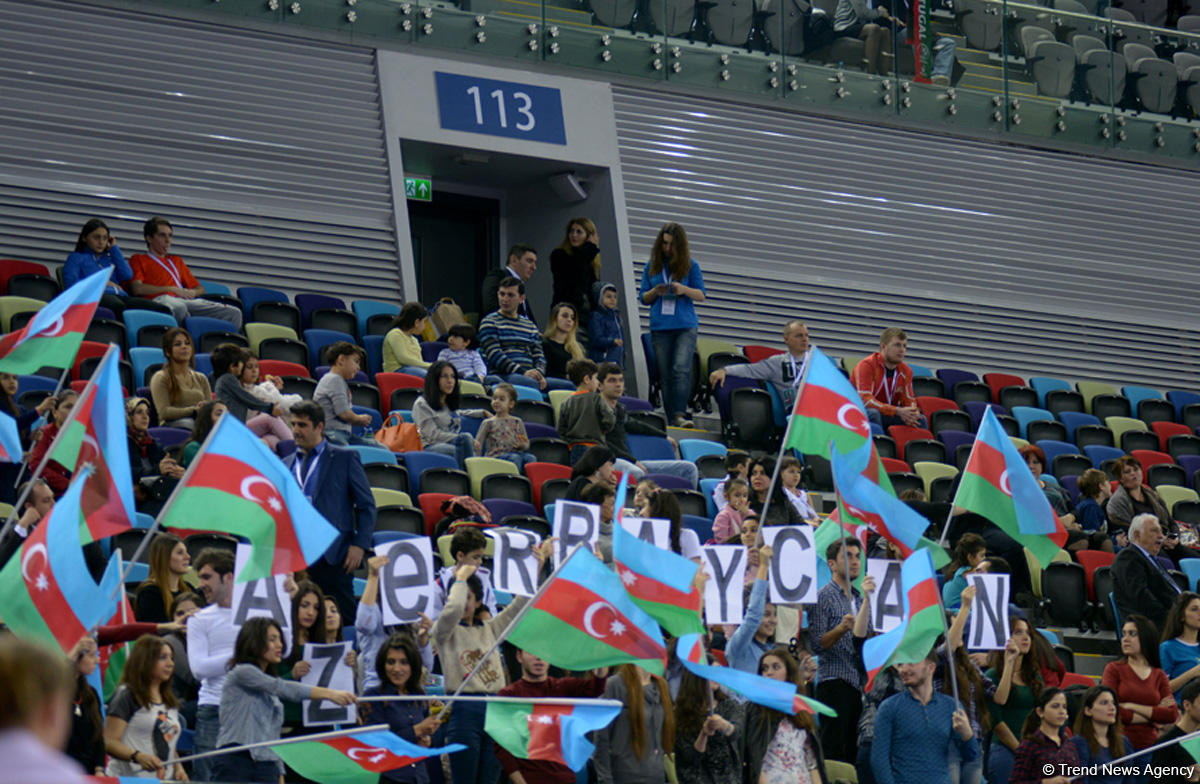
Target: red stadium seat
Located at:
point(278, 367)
point(998, 381)
point(1165, 430)
point(930, 404)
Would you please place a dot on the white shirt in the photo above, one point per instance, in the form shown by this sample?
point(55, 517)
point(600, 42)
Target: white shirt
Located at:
point(28, 761)
point(210, 639)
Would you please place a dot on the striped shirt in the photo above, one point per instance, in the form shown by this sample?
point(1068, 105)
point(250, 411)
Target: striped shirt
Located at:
point(510, 345)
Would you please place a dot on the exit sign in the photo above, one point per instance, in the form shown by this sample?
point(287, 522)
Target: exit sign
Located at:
point(418, 189)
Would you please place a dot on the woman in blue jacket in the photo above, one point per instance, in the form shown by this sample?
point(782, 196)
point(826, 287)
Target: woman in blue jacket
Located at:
point(96, 249)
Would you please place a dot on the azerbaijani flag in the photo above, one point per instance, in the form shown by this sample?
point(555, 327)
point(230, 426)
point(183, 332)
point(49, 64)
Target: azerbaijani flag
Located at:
point(997, 484)
point(1191, 744)
point(552, 733)
point(113, 657)
point(356, 759)
point(237, 485)
point(659, 581)
point(776, 695)
point(912, 640)
point(879, 510)
point(96, 433)
point(10, 440)
point(52, 336)
point(584, 619)
point(48, 592)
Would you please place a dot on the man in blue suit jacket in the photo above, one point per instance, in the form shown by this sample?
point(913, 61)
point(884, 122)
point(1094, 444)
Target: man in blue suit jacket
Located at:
point(336, 484)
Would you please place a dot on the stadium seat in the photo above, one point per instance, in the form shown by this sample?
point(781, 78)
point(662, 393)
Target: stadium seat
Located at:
point(553, 490)
point(1164, 474)
point(1013, 396)
point(144, 359)
point(895, 465)
point(1090, 389)
point(691, 502)
point(904, 480)
point(928, 386)
point(1122, 425)
point(284, 313)
point(318, 339)
point(399, 518)
point(1164, 430)
point(1087, 435)
point(539, 472)
point(1155, 410)
point(102, 330)
point(710, 466)
point(1066, 466)
point(1091, 560)
point(252, 295)
point(929, 471)
point(1045, 429)
point(651, 447)
point(920, 371)
point(1073, 419)
point(170, 436)
point(479, 467)
point(1059, 401)
point(445, 480)
point(1173, 494)
point(1100, 454)
point(1191, 569)
point(365, 309)
point(389, 476)
point(527, 393)
point(928, 404)
point(1179, 399)
point(256, 333)
point(500, 508)
point(902, 434)
point(998, 381)
point(1155, 80)
point(336, 319)
point(1053, 449)
point(285, 350)
point(1025, 415)
point(277, 367)
point(550, 450)
point(953, 439)
point(1044, 384)
point(372, 454)
point(1151, 457)
point(691, 449)
point(385, 497)
point(390, 383)
point(534, 411)
point(1183, 445)
point(977, 409)
point(1064, 585)
point(1110, 405)
point(1139, 439)
point(702, 525)
point(753, 420)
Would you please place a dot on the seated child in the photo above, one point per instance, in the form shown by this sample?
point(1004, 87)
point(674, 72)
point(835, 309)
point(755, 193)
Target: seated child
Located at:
point(737, 466)
point(503, 436)
point(728, 522)
point(464, 353)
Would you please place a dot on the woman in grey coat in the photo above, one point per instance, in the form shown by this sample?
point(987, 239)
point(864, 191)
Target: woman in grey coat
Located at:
point(631, 749)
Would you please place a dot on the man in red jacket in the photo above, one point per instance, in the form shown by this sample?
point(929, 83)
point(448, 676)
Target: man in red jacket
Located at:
point(535, 682)
point(885, 383)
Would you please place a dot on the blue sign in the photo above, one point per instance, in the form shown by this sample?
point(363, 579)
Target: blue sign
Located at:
point(518, 111)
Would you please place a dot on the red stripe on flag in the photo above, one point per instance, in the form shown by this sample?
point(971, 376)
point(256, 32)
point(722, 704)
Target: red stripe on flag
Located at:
point(373, 758)
point(823, 403)
point(648, 589)
point(596, 617)
point(74, 319)
point(241, 480)
point(922, 596)
point(100, 500)
point(44, 590)
point(545, 732)
point(988, 463)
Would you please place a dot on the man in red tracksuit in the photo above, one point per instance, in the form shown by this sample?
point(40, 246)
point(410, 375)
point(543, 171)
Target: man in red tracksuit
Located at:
point(885, 383)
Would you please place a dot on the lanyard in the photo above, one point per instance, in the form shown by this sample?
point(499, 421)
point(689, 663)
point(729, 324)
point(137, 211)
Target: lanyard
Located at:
point(304, 480)
point(171, 270)
point(889, 389)
point(797, 371)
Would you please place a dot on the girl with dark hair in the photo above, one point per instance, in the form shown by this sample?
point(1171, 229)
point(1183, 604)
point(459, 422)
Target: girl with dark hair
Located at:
point(709, 726)
point(10, 384)
point(308, 625)
point(55, 473)
point(143, 717)
point(1046, 742)
point(1098, 735)
point(575, 266)
point(603, 496)
point(633, 747)
point(1143, 690)
point(969, 554)
point(401, 349)
point(437, 417)
point(560, 341)
point(251, 707)
point(399, 668)
point(596, 465)
point(96, 249)
point(1179, 650)
point(780, 511)
point(86, 742)
point(169, 562)
point(784, 748)
point(1019, 681)
point(206, 420)
point(671, 284)
point(177, 389)
point(665, 506)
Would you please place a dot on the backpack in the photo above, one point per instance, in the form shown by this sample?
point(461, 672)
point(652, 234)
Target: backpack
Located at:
point(398, 435)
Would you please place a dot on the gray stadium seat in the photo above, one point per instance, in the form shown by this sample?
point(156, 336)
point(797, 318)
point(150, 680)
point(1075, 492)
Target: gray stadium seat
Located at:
point(1104, 75)
point(981, 24)
point(1030, 35)
point(1155, 80)
point(1123, 34)
point(730, 21)
point(1053, 68)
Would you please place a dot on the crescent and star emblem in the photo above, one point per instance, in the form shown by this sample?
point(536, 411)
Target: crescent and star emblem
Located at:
point(843, 418)
point(1005, 487)
point(272, 500)
point(54, 329)
point(370, 754)
point(41, 583)
point(615, 627)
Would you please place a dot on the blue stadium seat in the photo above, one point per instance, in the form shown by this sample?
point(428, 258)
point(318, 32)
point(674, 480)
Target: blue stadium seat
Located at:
point(1074, 419)
point(365, 308)
point(1053, 449)
point(373, 454)
point(40, 383)
point(199, 326)
point(418, 462)
point(1044, 384)
point(918, 371)
point(143, 358)
point(1137, 394)
point(135, 319)
point(702, 526)
point(318, 339)
point(1024, 415)
point(252, 295)
point(204, 364)
point(707, 486)
point(651, 447)
point(528, 393)
point(374, 347)
point(1099, 453)
point(1179, 399)
point(693, 448)
point(307, 303)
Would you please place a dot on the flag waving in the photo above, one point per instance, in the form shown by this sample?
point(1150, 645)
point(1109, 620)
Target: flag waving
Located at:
point(48, 591)
point(913, 639)
point(552, 733)
point(584, 619)
point(659, 581)
point(997, 484)
point(96, 433)
point(10, 440)
point(236, 484)
point(356, 759)
point(879, 510)
point(53, 335)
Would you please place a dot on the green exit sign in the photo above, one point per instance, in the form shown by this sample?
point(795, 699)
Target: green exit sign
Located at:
point(418, 189)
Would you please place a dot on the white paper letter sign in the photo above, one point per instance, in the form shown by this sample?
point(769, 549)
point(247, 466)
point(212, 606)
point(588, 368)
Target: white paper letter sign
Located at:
point(723, 593)
point(575, 524)
point(406, 582)
point(988, 629)
point(330, 670)
point(515, 565)
point(265, 597)
point(793, 564)
point(887, 611)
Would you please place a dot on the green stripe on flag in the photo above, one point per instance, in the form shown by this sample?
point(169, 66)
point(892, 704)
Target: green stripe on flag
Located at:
point(67, 450)
point(211, 509)
point(112, 673)
point(18, 611)
point(508, 724)
point(35, 353)
point(569, 647)
point(677, 620)
point(321, 762)
point(1192, 746)
point(978, 495)
point(922, 633)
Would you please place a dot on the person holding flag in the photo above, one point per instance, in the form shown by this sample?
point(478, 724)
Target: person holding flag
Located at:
point(839, 676)
point(783, 747)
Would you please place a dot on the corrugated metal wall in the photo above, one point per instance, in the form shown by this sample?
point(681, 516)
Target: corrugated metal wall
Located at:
point(266, 153)
point(991, 257)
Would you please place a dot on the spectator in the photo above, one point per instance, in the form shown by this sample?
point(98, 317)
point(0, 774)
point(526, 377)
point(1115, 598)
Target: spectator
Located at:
point(211, 636)
point(251, 710)
point(1098, 735)
point(606, 337)
point(1141, 583)
point(467, 546)
point(596, 465)
point(737, 466)
point(884, 383)
point(509, 342)
point(789, 477)
point(463, 353)
point(755, 635)
point(855, 19)
point(333, 480)
point(897, 32)
point(710, 728)
point(671, 284)
point(887, 683)
point(559, 344)
point(1018, 682)
point(782, 371)
point(310, 624)
point(1094, 492)
point(1143, 690)
point(784, 748)
point(401, 349)
point(1179, 651)
point(184, 683)
point(143, 723)
point(522, 263)
point(37, 506)
point(206, 420)
point(583, 419)
point(85, 744)
point(153, 471)
point(1046, 743)
point(168, 281)
point(437, 417)
point(971, 684)
point(611, 380)
point(503, 436)
point(1176, 756)
point(177, 389)
point(96, 249)
point(749, 539)
point(603, 496)
point(915, 728)
point(728, 522)
point(535, 682)
point(1060, 502)
point(55, 473)
point(780, 511)
point(970, 551)
point(229, 361)
point(333, 395)
point(575, 265)
point(269, 390)
point(370, 634)
point(684, 541)
point(169, 562)
point(36, 690)
point(10, 383)
point(839, 678)
point(632, 748)
point(1133, 498)
point(397, 668)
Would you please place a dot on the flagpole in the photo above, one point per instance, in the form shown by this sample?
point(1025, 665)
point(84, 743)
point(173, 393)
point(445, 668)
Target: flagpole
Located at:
point(787, 430)
point(951, 670)
point(281, 742)
point(493, 698)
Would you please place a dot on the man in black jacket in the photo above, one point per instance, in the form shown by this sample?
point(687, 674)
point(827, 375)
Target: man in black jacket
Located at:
point(1141, 583)
point(612, 386)
point(522, 263)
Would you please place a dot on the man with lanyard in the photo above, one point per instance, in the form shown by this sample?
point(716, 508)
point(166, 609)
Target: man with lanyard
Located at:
point(334, 482)
point(783, 371)
point(522, 263)
point(168, 281)
point(885, 383)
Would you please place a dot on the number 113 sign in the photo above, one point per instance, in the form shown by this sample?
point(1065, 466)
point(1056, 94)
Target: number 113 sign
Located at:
point(496, 108)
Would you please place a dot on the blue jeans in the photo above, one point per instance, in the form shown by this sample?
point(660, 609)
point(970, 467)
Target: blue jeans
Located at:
point(885, 422)
point(963, 772)
point(943, 56)
point(520, 459)
point(208, 726)
point(460, 447)
point(680, 468)
point(673, 350)
point(240, 766)
point(1000, 762)
point(478, 763)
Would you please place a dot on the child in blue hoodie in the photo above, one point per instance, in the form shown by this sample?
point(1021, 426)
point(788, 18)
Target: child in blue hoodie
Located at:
point(605, 343)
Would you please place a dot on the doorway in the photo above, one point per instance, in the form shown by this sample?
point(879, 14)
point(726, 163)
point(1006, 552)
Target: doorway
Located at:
point(456, 240)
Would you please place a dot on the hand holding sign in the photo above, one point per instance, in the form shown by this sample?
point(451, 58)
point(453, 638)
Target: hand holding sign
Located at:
point(989, 628)
point(793, 568)
point(334, 682)
point(406, 580)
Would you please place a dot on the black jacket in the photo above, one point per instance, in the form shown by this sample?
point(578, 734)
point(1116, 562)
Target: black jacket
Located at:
point(1140, 588)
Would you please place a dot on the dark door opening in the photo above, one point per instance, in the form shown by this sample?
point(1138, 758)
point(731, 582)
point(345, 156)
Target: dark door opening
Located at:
point(455, 241)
